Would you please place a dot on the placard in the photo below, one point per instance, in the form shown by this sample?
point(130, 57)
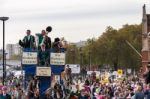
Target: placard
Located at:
point(90, 72)
point(129, 71)
point(57, 59)
point(29, 58)
point(75, 68)
point(57, 77)
point(120, 72)
point(43, 71)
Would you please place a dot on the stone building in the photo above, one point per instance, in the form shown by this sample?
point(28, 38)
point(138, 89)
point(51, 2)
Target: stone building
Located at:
point(145, 39)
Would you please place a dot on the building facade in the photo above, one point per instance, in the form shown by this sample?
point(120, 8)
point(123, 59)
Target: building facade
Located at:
point(12, 49)
point(145, 39)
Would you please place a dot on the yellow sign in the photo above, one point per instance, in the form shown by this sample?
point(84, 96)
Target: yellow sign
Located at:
point(120, 72)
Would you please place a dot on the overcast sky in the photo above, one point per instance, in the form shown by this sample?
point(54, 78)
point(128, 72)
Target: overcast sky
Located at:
point(76, 20)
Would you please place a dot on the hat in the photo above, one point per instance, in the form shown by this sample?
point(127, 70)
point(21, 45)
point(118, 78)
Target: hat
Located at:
point(49, 29)
point(4, 88)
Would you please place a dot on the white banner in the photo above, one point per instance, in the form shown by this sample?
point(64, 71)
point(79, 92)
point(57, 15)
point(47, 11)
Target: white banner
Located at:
point(75, 68)
point(43, 71)
point(57, 59)
point(29, 58)
point(90, 72)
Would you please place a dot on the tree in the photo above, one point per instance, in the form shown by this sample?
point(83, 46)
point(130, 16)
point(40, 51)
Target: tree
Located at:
point(111, 48)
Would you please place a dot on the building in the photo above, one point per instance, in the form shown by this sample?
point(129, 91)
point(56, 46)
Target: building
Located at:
point(17, 49)
point(9, 51)
point(12, 49)
point(81, 44)
point(1, 53)
point(145, 39)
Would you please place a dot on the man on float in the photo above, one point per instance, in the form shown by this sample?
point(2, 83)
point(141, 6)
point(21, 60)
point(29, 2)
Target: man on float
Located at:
point(28, 41)
point(44, 39)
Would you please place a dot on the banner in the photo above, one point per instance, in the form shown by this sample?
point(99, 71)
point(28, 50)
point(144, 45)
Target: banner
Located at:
point(75, 68)
point(57, 59)
point(29, 58)
point(43, 71)
point(90, 72)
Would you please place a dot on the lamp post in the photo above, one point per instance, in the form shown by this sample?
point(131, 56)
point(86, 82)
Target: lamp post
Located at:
point(90, 60)
point(73, 56)
point(81, 58)
point(4, 67)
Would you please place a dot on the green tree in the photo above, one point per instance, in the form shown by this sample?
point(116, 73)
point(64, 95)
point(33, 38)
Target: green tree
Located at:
point(110, 48)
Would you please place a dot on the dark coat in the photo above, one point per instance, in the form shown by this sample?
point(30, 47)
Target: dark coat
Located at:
point(147, 77)
point(43, 57)
point(47, 42)
point(27, 43)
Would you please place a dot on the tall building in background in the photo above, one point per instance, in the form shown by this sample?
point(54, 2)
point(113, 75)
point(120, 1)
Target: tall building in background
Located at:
point(145, 39)
point(17, 49)
point(9, 51)
point(12, 49)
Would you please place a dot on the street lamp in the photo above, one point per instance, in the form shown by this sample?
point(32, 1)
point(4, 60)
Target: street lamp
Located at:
point(90, 60)
point(81, 54)
point(4, 67)
point(73, 55)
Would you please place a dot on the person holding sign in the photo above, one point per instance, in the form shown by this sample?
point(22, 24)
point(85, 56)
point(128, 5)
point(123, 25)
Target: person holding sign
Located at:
point(68, 74)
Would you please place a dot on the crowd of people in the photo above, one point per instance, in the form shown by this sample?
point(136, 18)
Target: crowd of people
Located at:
point(71, 87)
point(90, 87)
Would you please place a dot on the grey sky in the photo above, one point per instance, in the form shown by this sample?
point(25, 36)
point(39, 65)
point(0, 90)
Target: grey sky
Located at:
point(73, 19)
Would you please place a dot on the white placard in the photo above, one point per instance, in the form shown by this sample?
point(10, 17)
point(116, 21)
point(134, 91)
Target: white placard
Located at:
point(57, 77)
point(129, 71)
point(90, 72)
point(57, 59)
point(115, 73)
point(29, 58)
point(75, 68)
point(43, 71)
